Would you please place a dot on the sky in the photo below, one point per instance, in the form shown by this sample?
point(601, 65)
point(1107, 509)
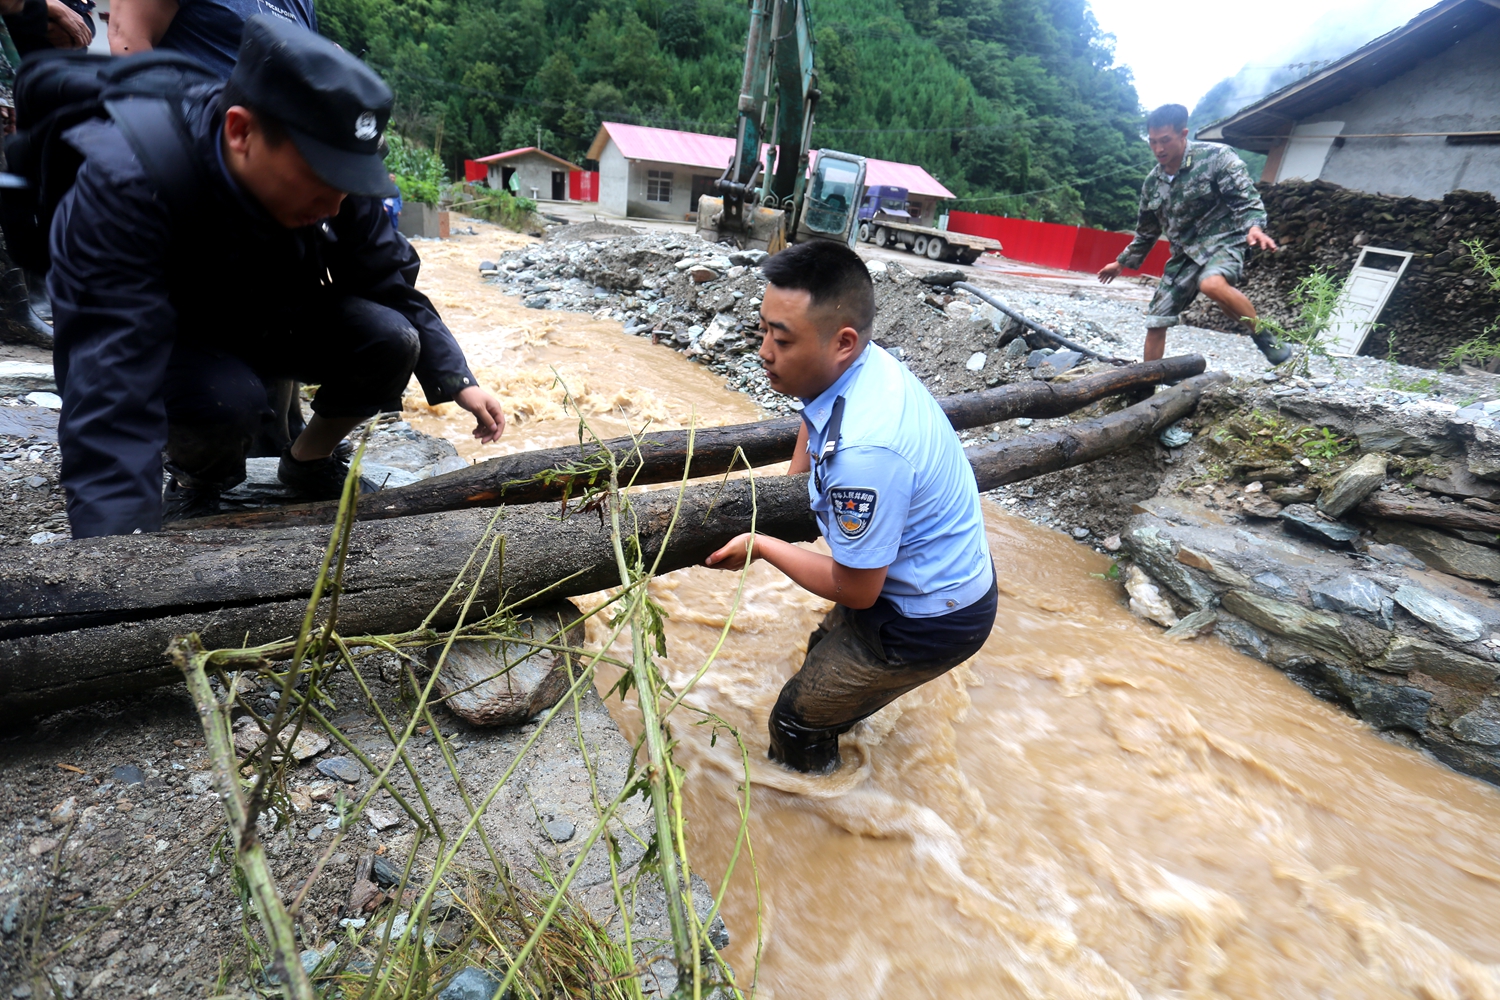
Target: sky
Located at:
point(1178, 51)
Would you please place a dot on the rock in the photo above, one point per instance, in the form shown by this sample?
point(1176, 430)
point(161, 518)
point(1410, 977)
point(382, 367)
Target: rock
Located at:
point(1353, 485)
point(1175, 435)
point(473, 984)
point(1396, 555)
point(52, 401)
point(17, 377)
point(559, 829)
point(1038, 356)
point(702, 275)
point(1441, 550)
point(1307, 521)
point(1275, 584)
point(62, 814)
point(300, 800)
point(1242, 638)
point(487, 268)
point(1194, 625)
point(1157, 554)
point(342, 768)
point(958, 310)
point(1352, 594)
point(1215, 568)
point(382, 819)
point(40, 846)
point(1292, 494)
point(498, 684)
point(1317, 629)
point(322, 791)
point(248, 739)
point(1383, 704)
point(1055, 364)
point(312, 958)
point(876, 268)
point(1460, 626)
point(1112, 543)
point(1080, 533)
point(1472, 727)
point(750, 258)
point(1459, 482)
point(1145, 600)
point(1407, 654)
point(975, 362)
point(128, 774)
point(1024, 422)
point(536, 302)
point(1015, 349)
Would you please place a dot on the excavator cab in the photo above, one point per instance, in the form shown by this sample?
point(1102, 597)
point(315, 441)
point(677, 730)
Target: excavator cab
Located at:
point(830, 209)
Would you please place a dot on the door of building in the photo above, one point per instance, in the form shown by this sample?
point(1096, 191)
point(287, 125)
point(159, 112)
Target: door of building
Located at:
point(559, 185)
point(701, 186)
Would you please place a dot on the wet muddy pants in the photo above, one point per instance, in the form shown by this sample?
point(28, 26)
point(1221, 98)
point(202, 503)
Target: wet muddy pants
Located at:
point(857, 663)
point(360, 355)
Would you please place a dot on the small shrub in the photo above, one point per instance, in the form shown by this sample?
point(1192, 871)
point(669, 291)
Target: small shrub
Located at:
point(1479, 350)
point(509, 210)
point(1315, 296)
point(419, 172)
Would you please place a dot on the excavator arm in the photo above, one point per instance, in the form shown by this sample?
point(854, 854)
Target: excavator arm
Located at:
point(761, 193)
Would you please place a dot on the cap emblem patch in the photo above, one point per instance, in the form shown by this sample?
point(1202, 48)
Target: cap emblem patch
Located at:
point(366, 127)
point(852, 509)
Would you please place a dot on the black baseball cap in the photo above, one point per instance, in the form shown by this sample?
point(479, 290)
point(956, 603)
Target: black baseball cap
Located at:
point(333, 106)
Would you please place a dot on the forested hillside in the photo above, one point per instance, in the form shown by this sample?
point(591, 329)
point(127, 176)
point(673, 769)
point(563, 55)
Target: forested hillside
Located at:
point(1011, 103)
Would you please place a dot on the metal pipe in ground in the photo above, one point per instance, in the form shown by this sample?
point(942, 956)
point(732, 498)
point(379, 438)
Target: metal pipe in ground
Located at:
point(1048, 332)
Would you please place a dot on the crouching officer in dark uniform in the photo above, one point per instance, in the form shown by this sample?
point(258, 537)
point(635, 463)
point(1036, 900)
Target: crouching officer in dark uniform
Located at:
point(170, 310)
point(911, 579)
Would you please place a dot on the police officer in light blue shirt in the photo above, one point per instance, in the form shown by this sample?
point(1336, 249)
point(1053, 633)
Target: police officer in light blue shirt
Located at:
point(910, 571)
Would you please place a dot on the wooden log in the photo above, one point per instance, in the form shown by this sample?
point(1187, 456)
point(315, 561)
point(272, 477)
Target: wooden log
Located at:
point(516, 479)
point(1453, 516)
point(91, 619)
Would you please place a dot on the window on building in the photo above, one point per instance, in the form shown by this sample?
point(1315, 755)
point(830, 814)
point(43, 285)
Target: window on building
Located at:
point(658, 185)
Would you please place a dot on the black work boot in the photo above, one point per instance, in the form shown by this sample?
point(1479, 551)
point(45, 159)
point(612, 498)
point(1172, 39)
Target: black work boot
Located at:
point(19, 323)
point(1276, 353)
point(183, 503)
point(319, 478)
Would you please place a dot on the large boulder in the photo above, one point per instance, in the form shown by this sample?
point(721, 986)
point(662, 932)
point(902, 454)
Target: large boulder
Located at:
point(1353, 485)
point(501, 683)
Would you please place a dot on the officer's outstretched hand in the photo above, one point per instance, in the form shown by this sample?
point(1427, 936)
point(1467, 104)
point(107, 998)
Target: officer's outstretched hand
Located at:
point(489, 418)
point(733, 554)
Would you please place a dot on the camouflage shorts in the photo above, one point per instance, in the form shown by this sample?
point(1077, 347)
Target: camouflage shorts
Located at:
point(1180, 280)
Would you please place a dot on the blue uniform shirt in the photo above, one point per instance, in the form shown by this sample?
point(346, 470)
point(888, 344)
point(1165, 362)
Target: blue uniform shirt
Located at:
point(897, 490)
point(209, 30)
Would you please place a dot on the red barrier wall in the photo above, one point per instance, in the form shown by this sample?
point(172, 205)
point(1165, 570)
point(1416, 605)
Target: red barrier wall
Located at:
point(1067, 248)
point(475, 171)
point(583, 185)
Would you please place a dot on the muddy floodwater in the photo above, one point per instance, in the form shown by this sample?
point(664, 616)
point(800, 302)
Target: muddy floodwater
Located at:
point(1083, 810)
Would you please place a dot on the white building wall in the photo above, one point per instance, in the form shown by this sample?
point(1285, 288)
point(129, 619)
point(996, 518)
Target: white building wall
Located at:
point(532, 173)
point(1457, 91)
point(614, 180)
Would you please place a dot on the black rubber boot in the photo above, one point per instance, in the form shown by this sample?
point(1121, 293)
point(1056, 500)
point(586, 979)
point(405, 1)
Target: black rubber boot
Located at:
point(320, 478)
point(1277, 354)
point(183, 503)
point(19, 323)
point(36, 288)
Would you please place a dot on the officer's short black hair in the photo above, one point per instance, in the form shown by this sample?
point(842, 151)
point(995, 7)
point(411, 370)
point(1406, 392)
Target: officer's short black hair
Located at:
point(1173, 116)
point(835, 277)
point(270, 126)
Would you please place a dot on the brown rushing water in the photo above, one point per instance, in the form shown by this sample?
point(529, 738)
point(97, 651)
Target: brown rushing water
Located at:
point(1083, 810)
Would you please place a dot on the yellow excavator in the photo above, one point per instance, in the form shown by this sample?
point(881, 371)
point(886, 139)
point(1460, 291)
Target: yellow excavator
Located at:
point(766, 198)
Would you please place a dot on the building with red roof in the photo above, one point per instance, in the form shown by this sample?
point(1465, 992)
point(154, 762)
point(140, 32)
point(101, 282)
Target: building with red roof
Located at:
point(531, 172)
point(659, 173)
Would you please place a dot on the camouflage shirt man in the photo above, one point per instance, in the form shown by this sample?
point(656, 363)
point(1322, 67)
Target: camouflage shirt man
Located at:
point(1206, 208)
point(1199, 197)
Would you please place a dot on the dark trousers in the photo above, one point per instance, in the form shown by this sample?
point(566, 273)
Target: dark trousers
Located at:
point(857, 663)
point(359, 354)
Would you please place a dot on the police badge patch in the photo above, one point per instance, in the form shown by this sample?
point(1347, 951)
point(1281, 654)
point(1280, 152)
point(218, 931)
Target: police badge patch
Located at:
point(852, 509)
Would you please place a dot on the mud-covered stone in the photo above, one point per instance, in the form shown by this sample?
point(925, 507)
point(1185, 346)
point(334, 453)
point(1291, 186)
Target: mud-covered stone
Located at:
point(1353, 485)
point(1158, 555)
point(1441, 550)
point(1382, 703)
point(1353, 594)
point(494, 683)
point(1477, 727)
point(1407, 654)
point(1217, 569)
point(1193, 625)
point(1456, 624)
point(1242, 638)
point(1307, 521)
point(1318, 629)
point(1146, 600)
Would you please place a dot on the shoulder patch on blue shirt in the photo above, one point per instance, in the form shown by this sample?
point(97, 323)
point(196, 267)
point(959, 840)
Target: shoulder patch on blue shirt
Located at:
point(853, 509)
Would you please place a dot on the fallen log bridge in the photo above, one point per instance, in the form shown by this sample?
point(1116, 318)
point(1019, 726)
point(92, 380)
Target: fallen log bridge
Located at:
point(534, 476)
point(86, 620)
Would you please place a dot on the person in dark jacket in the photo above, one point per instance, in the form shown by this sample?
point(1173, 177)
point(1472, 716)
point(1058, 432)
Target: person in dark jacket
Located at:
point(171, 312)
point(207, 30)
